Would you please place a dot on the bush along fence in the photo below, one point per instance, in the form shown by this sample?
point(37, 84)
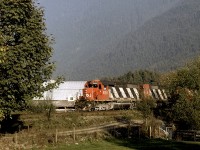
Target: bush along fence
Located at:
point(190, 135)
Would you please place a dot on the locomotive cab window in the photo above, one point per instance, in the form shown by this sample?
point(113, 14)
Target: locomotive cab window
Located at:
point(93, 85)
point(99, 86)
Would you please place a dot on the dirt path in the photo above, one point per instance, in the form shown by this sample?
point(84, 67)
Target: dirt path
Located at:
point(102, 127)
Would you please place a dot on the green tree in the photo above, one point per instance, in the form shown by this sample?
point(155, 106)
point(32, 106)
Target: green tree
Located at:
point(183, 106)
point(146, 107)
point(25, 54)
point(186, 110)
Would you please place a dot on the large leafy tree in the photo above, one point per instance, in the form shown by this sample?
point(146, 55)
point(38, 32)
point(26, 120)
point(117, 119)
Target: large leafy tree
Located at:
point(25, 54)
point(184, 96)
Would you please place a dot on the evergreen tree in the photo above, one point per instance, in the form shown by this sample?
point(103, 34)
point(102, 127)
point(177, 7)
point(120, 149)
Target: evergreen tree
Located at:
point(138, 77)
point(25, 54)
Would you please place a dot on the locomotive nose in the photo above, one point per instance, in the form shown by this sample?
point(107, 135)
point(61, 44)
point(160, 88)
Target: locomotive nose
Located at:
point(84, 91)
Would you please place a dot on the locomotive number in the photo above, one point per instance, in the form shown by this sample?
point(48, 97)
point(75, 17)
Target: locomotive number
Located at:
point(88, 95)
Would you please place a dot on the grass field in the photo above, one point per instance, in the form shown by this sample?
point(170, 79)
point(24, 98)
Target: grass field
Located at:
point(116, 144)
point(38, 132)
point(34, 130)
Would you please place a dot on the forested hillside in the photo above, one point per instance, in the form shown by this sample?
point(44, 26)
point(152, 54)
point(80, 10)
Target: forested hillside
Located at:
point(82, 29)
point(163, 43)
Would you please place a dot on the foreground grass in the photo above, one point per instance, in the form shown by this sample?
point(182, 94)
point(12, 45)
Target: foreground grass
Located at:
point(66, 121)
point(98, 145)
point(34, 130)
point(116, 144)
point(40, 133)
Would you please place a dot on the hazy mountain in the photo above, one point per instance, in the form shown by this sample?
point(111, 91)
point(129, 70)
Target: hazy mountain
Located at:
point(162, 43)
point(91, 35)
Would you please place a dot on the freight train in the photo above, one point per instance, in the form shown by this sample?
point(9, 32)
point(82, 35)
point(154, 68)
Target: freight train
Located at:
point(99, 95)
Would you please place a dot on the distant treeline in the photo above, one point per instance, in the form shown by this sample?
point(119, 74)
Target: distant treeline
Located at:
point(137, 77)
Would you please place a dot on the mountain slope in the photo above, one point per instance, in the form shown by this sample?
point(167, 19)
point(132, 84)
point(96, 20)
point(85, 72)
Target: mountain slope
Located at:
point(163, 43)
point(82, 29)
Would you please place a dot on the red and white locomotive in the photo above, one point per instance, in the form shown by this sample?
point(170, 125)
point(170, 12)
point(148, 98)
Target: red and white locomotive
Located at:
point(100, 95)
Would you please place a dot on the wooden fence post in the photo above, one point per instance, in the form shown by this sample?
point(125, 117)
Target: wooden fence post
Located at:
point(56, 136)
point(74, 133)
point(150, 132)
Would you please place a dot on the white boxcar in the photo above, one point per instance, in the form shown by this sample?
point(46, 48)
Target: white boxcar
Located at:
point(64, 95)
